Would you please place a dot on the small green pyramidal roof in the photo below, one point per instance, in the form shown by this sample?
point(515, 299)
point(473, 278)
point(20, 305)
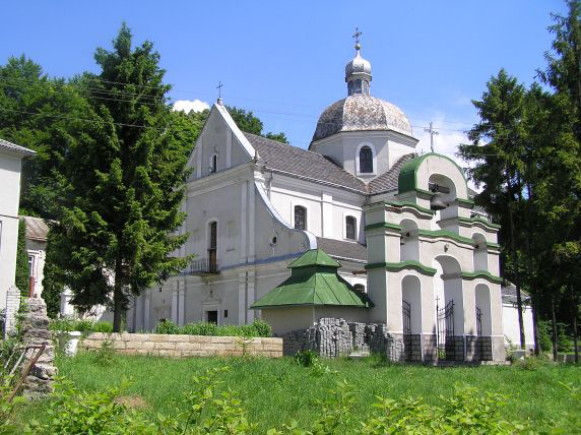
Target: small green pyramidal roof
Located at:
point(314, 281)
point(314, 257)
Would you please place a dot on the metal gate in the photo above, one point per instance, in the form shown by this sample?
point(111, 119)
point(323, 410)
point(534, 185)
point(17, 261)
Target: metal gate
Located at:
point(445, 331)
point(407, 328)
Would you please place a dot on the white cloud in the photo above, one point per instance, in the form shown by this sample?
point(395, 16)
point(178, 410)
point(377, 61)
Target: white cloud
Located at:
point(188, 105)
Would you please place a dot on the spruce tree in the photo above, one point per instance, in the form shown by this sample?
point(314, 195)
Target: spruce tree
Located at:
point(122, 185)
point(22, 266)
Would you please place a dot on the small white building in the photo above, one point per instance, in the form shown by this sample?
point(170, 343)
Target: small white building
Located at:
point(11, 156)
point(36, 239)
point(402, 227)
point(510, 318)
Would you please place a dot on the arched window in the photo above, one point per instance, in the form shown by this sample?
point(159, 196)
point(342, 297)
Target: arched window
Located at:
point(350, 228)
point(213, 246)
point(359, 288)
point(300, 218)
point(213, 163)
point(365, 160)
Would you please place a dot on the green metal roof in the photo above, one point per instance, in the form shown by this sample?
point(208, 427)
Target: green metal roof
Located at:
point(314, 257)
point(314, 281)
point(407, 180)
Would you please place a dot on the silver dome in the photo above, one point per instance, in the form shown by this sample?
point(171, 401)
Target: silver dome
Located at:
point(361, 113)
point(357, 65)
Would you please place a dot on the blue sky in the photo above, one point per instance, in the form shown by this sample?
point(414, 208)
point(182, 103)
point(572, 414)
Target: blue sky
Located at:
point(285, 60)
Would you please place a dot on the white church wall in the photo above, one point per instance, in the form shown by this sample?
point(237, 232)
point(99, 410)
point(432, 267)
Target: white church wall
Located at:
point(10, 193)
point(511, 327)
point(283, 320)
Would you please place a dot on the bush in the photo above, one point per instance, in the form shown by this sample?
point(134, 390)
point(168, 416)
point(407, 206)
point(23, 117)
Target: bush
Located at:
point(68, 324)
point(258, 328)
point(564, 339)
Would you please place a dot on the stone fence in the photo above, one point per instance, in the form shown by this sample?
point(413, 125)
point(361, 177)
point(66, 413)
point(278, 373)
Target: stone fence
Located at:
point(184, 345)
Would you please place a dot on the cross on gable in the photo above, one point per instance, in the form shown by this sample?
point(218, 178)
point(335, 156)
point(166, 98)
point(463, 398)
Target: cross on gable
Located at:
point(219, 87)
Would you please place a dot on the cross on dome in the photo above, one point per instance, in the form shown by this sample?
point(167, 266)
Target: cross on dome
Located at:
point(356, 36)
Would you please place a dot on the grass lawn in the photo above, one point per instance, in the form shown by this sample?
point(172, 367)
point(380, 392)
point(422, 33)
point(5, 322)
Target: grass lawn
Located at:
point(278, 391)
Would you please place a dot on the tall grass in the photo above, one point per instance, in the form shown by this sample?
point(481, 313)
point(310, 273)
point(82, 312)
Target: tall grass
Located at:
point(278, 391)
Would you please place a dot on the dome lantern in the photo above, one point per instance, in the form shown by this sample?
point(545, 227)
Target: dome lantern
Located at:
point(358, 71)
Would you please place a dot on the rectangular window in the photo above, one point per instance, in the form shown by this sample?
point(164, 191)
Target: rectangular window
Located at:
point(300, 218)
point(350, 227)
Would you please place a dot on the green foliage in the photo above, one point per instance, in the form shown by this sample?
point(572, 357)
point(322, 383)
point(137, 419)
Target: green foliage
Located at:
point(246, 121)
point(466, 411)
point(564, 341)
point(22, 266)
point(279, 137)
point(306, 358)
point(122, 188)
point(67, 324)
point(105, 356)
point(258, 328)
point(74, 412)
point(206, 408)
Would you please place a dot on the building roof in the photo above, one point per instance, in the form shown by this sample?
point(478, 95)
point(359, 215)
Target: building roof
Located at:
point(314, 281)
point(343, 250)
point(4, 144)
point(36, 228)
point(388, 181)
point(285, 158)
point(361, 113)
point(291, 160)
point(509, 295)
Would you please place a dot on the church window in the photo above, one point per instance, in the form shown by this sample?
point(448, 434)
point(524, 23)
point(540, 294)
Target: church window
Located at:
point(365, 160)
point(213, 246)
point(213, 163)
point(359, 288)
point(350, 228)
point(300, 218)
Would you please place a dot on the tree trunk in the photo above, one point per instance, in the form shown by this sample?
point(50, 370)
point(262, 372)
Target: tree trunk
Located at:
point(118, 298)
point(574, 308)
point(534, 306)
point(554, 325)
point(516, 262)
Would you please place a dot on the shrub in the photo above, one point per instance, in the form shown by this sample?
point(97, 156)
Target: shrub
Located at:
point(258, 328)
point(167, 327)
point(68, 324)
point(306, 358)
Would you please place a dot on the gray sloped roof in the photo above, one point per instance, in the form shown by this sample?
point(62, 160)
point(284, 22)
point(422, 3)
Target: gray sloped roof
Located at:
point(342, 249)
point(509, 294)
point(302, 163)
point(4, 144)
point(36, 228)
point(388, 180)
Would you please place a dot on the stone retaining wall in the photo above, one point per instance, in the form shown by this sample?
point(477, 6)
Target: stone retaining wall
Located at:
point(184, 345)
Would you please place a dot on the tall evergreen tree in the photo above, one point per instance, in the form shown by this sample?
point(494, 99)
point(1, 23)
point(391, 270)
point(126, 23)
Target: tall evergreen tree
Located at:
point(123, 186)
point(22, 266)
point(559, 189)
point(500, 166)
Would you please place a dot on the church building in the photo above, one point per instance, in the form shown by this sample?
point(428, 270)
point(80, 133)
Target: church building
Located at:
point(358, 227)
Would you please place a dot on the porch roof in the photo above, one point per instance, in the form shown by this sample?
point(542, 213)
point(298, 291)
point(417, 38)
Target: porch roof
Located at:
point(314, 282)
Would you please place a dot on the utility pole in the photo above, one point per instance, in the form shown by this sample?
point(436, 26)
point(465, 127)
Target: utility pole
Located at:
point(432, 133)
